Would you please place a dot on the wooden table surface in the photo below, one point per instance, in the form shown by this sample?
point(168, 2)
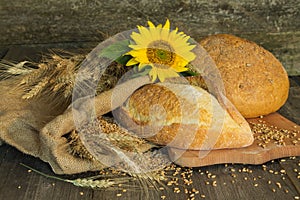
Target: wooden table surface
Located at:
point(277, 179)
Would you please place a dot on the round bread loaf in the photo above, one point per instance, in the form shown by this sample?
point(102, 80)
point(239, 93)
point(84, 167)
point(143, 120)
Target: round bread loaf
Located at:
point(183, 116)
point(254, 80)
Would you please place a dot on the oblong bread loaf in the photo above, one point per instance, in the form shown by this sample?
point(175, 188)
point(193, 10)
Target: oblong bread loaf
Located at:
point(183, 116)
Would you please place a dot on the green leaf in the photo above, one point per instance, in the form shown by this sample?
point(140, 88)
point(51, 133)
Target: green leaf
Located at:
point(123, 59)
point(189, 73)
point(116, 50)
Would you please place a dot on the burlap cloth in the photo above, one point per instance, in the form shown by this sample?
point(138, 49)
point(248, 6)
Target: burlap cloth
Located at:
point(37, 127)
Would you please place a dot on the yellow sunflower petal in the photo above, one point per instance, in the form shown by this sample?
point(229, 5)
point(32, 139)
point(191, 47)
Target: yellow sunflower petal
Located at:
point(183, 47)
point(155, 33)
point(151, 25)
point(165, 73)
point(145, 33)
point(173, 35)
point(138, 38)
point(170, 50)
point(165, 30)
point(167, 25)
point(179, 69)
point(153, 74)
point(187, 56)
point(171, 73)
point(132, 61)
point(140, 54)
point(181, 63)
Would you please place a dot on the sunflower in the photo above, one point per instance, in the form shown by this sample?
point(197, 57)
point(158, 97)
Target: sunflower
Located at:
point(166, 51)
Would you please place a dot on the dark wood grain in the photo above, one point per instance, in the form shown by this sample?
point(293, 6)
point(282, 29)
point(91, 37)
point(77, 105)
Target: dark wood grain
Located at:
point(3, 52)
point(17, 183)
point(274, 24)
point(236, 181)
point(291, 167)
point(17, 54)
point(291, 108)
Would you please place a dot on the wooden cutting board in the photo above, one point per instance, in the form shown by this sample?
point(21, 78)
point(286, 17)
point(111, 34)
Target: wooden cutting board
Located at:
point(253, 154)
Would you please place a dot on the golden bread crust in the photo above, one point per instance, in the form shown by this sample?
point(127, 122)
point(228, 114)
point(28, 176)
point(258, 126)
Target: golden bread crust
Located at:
point(254, 80)
point(183, 116)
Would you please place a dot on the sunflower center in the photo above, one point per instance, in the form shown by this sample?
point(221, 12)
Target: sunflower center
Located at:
point(161, 53)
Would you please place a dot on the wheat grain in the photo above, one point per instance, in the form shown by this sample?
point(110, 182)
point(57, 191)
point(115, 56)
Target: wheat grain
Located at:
point(141, 166)
point(35, 90)
point(266, 134)
point(60, 73)
point(76, 148)
point(33, 77)
point(98, 184)
point(115, 136)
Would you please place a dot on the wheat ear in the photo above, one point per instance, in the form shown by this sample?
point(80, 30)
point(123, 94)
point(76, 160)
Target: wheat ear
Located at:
point(9, 69)
point(89, 182)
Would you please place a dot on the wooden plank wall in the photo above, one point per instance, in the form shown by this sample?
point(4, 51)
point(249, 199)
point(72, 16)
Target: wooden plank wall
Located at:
point(274, 24)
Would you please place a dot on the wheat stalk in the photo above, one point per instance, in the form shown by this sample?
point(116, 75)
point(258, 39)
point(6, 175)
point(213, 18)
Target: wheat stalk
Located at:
point(140, 164)
point(89, 182)
point(144, 179)
point(61, 72)
point(9, 69)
